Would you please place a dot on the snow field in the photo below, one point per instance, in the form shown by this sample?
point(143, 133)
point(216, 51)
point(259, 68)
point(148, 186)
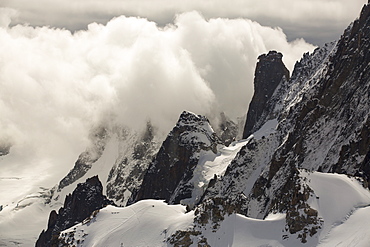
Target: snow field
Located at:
point(343, 203)
point(145, 223)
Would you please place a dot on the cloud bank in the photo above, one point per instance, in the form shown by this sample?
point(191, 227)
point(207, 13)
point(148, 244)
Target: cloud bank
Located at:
point(55, 85)
point(318, 21)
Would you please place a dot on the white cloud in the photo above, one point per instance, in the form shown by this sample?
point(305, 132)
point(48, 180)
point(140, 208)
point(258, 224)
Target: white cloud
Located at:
point(55, 85)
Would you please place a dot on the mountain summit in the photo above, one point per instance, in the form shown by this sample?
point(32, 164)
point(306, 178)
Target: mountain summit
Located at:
point(169, 173)
point(270, 71)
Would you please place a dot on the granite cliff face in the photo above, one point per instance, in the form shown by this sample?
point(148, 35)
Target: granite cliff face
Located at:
point(270, 72)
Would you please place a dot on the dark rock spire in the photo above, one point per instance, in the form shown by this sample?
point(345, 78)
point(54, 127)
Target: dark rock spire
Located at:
point(270, 70)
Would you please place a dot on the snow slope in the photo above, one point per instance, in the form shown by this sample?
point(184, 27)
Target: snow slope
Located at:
point(30, 209)
point(21, 226)
point(23, 205)
point(238, 230)
point(353, 232)
point(343, 203)
point(23, 213)
point(145, 223)
point(210, 165)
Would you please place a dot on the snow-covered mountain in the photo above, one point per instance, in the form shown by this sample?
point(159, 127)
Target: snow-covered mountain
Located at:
point(300, 174)
point(155, 223)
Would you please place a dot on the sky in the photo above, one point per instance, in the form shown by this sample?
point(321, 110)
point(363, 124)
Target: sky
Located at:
point(317, 21)
point(67, 66)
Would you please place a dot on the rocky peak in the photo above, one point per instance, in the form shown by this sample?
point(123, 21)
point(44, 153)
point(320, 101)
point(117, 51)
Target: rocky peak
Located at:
point(84, 200)
point(170, 171)
point(270, 71)
point(189, 118)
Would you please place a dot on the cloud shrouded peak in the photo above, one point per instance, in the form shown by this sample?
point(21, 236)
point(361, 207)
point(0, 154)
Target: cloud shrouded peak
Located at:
point(55, 85)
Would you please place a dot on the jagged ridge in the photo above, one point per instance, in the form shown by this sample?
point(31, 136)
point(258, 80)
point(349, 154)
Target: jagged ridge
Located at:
point(84, 200)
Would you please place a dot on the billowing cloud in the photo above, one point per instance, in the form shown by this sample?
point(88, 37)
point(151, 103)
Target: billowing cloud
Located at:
point(317, 21)
point(55, 85)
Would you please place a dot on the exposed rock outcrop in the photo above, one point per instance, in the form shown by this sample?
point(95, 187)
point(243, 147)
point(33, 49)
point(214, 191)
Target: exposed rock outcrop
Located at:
point(168, 175)
point(84, 200)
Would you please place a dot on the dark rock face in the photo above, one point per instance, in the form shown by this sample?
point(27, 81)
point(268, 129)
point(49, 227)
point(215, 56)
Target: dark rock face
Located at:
point(168, 175)
point(270, 71)
point(85, 199)
point(99, 137)
point(347, 93)
point(332, 115)
point(290, 197)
